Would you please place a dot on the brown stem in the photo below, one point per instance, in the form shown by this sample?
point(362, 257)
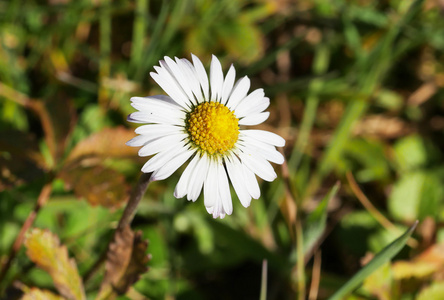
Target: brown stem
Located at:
point(316, 276)
point(125, 220)
point(133, 202)
point(374, 211)
point(13, 95)
point(41, 201)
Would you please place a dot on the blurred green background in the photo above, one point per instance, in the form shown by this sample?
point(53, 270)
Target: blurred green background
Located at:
point(356, 89)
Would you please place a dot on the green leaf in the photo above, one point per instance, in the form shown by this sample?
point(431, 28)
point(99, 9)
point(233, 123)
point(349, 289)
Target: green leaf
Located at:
point(415, 196)
point(242, 40)
point(190, 220)
point(389, 100)
point(382, 257)
point(434, 291)
point(410, 152)
point(367, 158)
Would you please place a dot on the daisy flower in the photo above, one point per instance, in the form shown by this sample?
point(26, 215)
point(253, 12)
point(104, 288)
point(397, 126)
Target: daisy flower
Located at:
point(202, 121)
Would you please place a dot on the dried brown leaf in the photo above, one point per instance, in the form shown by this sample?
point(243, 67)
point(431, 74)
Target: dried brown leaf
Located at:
point(38, 294)
point(58, 119)
point(21, 160)
point(381, 126)
point(426, 91)
point(109, 142)
point(44, 249)
point(98, 185)
point(423, 265)
point(126, 261)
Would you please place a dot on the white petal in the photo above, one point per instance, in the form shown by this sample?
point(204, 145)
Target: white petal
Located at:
point(178, 74)
point(160, 106)
point(198, 178)
point(212, 193)
point(240, 91)
point(216, 79)
point(259, 107)
point(171, 166)
point(131, 119)
point(258, 165)
point(250, 100)
point(182, 186)
point(235, 172)
point(158, 130)
point(161, 144)
point(211, 187)
point(159, 118)
point(151, 102)
point(264, 136)
point(170, 86)
point(267, 151)
point(161, 112)
point(251, 182)
point(193, 80)
point(138, 141)
point(202, 75)
point(254, 119)
point(163, 157)
point(224, 190)
point(228, 84)
point(216, 212)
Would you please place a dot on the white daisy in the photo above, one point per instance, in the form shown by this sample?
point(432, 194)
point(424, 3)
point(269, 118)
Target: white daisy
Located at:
point(202, 120)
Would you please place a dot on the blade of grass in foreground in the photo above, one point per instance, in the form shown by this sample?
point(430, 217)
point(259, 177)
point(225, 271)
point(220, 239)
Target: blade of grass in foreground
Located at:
point(382, 257)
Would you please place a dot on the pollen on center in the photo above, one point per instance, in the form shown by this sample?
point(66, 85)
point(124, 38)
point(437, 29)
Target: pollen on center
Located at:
point(213, 127)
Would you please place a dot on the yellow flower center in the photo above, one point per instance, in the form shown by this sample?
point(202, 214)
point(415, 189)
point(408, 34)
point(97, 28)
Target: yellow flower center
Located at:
point(213, 127)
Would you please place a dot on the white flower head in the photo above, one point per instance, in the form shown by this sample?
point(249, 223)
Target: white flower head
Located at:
point(202, 120)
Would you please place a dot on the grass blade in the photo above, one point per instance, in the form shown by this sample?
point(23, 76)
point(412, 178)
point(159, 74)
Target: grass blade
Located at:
point(382, 257)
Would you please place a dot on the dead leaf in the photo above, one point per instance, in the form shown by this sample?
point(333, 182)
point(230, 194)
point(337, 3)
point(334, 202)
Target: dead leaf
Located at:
point(84, 173)
point(38, 294)
point(20, 159)
point(44, 249)
point(381, 126)
point(109, 142)
point(98, 185)
point(58, 120)
point(426, 91)
point(423, 265)
point(126, 261)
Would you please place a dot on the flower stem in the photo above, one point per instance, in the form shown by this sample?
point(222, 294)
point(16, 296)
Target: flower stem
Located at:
point(133, 202)
point(125, 220)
